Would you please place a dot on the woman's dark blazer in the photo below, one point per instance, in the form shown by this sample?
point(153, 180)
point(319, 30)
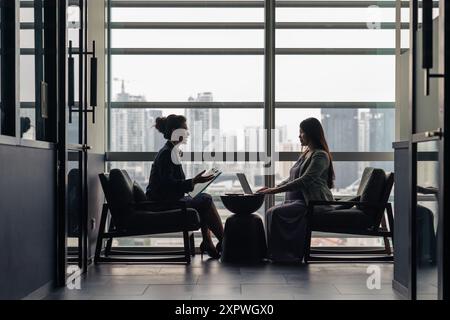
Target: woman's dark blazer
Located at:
point(167, 180)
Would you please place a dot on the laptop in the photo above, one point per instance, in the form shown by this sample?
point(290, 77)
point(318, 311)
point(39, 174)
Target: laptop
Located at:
point(244, 183)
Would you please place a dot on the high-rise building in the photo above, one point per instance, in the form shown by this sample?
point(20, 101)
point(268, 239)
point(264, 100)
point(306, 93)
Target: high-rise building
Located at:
point(377, 134)
point(341, 130)
point(255, 137)
point(377, 130)
point(204, 124)
point(133, 131)
point(204, 129)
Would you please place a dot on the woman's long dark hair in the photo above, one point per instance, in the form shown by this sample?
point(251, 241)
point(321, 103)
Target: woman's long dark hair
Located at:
point(312, 128)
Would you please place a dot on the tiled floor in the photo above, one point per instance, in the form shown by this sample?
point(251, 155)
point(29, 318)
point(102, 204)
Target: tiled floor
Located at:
point(210, 279)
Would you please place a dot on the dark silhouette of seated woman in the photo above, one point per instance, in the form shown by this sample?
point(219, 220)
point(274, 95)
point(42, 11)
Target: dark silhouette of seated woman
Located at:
point(310, 178)
point(168, 182)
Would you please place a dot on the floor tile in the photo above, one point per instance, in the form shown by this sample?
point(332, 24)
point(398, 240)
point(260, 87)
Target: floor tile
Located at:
point(211, 279)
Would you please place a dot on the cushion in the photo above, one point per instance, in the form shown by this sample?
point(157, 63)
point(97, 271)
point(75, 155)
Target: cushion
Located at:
point(373, 189)
point(373, 192)
point(340, 219)
point(148, 222)
point(120, 189)
point(346, 206)
point(138, 193)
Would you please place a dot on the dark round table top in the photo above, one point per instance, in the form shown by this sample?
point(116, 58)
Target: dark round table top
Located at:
point(243, 203)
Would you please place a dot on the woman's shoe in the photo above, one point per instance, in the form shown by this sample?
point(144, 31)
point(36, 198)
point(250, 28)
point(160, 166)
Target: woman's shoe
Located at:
point(219, 247)
point(210, 250)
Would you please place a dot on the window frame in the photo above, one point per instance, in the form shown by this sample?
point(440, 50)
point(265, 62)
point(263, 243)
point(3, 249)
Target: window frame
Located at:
point(269, 105)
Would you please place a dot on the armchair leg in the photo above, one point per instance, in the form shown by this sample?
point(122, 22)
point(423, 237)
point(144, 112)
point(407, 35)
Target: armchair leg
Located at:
point(101, 231)
point(387, 244)
point(192, 244)
point(308, 217)
point(307, 245)
point(108, 247)
point(390, 221)
point(187, 250)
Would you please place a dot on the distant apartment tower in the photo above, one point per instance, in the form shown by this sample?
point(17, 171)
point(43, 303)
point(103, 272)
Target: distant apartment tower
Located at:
point(200, 121)
point(377, 130)
point(377, 127)
point(132, 130)
point(255, 138)
point(342, 134)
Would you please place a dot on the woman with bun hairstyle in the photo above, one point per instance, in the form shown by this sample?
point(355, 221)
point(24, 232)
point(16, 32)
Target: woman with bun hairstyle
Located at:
point(168, 183)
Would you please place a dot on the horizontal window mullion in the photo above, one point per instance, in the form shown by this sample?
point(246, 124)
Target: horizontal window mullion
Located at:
point(254, 4)
point(251, 156)
point(334, 105)
point(335, 25)
point(187, 25)
point(241, 25)
point(187, 4)
point(240, 105)
point(336, 51)
point(187, 51)
point(187, 105)
point(249, 51)
point(246, 25)
point(345, 156)
point(252, 105)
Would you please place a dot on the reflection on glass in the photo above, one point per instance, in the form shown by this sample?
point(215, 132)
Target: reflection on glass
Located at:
point(74, 207)
point(427, 220)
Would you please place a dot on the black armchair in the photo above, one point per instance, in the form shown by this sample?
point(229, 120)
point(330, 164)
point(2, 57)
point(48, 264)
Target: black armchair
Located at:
point(132, 215)
point(364, 216)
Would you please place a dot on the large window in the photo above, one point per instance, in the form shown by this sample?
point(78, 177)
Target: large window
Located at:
point(334, 60)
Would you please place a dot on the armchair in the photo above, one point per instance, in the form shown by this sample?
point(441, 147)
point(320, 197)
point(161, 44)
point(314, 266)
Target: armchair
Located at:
point(131, 215)
point(365, 216)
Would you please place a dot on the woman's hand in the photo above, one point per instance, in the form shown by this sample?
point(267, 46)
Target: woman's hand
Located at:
point(266, 190)
point(202, 179)
point(261, 190)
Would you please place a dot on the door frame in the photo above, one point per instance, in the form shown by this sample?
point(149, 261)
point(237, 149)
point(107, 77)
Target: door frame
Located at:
point(63, 146)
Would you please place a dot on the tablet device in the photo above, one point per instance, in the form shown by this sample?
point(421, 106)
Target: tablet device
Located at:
point(200, 187)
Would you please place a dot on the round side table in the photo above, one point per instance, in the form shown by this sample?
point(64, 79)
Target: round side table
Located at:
point(244, 236)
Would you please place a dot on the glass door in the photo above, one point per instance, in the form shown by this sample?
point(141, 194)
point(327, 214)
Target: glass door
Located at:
point(429, 151)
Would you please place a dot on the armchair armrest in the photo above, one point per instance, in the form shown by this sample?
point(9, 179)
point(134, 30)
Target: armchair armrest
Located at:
point(312, 204)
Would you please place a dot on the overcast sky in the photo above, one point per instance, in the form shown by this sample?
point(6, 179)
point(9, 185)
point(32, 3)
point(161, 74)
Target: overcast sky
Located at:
point(241, 78)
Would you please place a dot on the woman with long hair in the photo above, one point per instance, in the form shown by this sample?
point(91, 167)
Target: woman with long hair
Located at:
point(310, 178)
point(168, 183)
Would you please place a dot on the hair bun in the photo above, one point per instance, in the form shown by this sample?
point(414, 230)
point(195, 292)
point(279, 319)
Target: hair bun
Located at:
point(160, 124)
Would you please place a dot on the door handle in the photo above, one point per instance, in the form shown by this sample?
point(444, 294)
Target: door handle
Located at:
point(434, 133)
point(85, 147)
point(71, 82)
point(93, 88)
